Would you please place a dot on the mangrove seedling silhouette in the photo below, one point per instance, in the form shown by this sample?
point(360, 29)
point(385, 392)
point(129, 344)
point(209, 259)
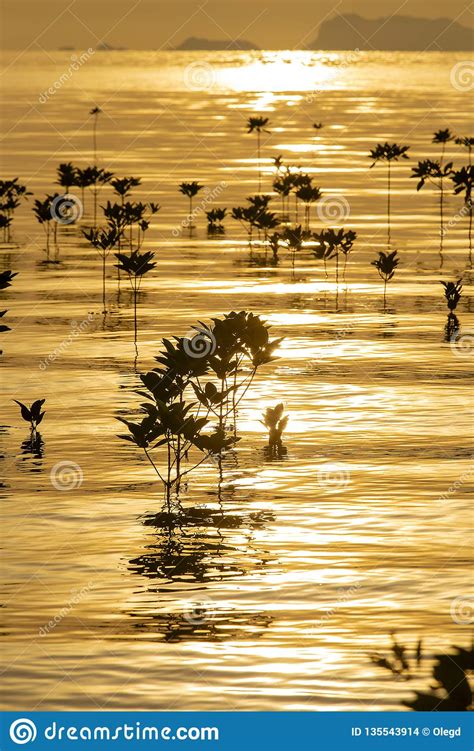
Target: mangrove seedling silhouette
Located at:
point(452, 293)
point(94, 113)
point(309, 194)
point(293, 238)
point(275, 422)
point(331, 243)
point(466, 142)
point(258, 125)
point(463, 180)
point(388, 153)
point(11, 196)
point(450, 692)
point(67, 176)
point(173, 427)
point(215, 218)
point(190, 190)
point(443, 137)
point(98, 177)
point(386, 265)
point(256, 216)
point(434, 173)
point(5, 281)
point(44, 215)
point(317, 126)
point(135, 265)
point(32, 415)
point(103, 240)
point(282, 185)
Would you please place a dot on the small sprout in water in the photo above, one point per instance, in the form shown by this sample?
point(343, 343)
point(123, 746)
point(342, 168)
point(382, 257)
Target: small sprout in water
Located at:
point(33, 415)
point(190, 190)
point(215, 217)
point(386, 152)
point(258, 125)
point(452, 293)
point(386, 265)
point(317, 126)
point(275, 421)
point(136, 265)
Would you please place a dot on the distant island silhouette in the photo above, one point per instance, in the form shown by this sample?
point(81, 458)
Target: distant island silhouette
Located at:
point(350, 31)
point(201, 43)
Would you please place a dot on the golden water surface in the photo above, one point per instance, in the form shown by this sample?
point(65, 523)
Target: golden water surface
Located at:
point(295, 569)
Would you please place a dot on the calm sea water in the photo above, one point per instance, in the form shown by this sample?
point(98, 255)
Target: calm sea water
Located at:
point(295, 569)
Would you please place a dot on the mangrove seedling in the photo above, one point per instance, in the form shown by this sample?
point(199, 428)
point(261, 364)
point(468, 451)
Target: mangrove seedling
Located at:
point(98, 177)
point(215, 217)
point(468, 143)
point(309, 194)
point(275, 422)
point(463, 180)
point(95, 112)
point(332, 242)
point(386, 265)
point(67, 176)
point(190, 190)
point(32, 415)
point(443, 137)
point(5, 281)
point(283, 185)
point(434, 173)
point(44, 215)
point(386, 152)
point(274, 243)
point(293, 238)
point(452, 293)
point(103, 240)
point(136, 265)
point(11, 195)
point(258, 125)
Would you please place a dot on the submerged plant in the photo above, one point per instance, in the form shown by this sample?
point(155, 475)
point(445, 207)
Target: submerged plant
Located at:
point(275, 421)
point(5, 281)
point(214, 366)
point(215, 217)
point(331, 243)
point(258, 125)
point(388, 153)
point(452, 293)
point(463, 181)
point(103, 240)
point(44, 215)
point(136, 265)
point(434, 173)
point(32, 415)
point(386, 264)
point(95, 112)
point(190, 190)
point(11, 195)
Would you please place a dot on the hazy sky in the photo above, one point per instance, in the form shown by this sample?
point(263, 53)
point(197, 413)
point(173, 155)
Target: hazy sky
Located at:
point(153, 24)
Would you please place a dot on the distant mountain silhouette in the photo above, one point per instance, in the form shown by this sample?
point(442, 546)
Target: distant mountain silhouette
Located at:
point(198, 43)
point(350, 32)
